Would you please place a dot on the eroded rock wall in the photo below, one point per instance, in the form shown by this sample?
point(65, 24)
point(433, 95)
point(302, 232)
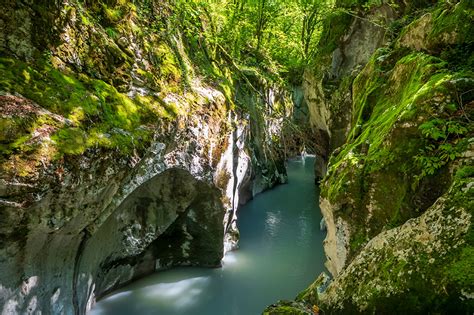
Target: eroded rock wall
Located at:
point(329, 95)
point(397, 194)
point(346, 46)
point(351, 106)
point(419, 263)
point(78, 226)
point(116, 159)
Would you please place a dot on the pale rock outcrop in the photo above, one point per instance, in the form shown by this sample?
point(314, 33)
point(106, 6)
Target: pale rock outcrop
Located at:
point(401, 261)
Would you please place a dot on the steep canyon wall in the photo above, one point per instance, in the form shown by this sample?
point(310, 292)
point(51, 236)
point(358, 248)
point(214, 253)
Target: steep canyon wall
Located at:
point(392, 88)
point(118, 159)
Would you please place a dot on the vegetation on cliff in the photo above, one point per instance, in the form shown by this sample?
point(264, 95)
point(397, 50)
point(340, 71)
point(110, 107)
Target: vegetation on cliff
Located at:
point(115, 70)
point(390, 90)
point(401, 165)
point(411, 118)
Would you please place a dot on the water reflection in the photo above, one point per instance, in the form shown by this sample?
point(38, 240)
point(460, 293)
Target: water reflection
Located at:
point(280, 254)
point(272, 223)
point(180, 294)
point(305, 230)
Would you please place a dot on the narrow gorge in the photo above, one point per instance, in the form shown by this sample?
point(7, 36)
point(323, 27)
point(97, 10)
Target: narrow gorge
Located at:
point(133, 133)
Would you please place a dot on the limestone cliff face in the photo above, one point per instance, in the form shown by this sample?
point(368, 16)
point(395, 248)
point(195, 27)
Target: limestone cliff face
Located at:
point(328, 92)
point(346, 47)
point(117, 160)
point(420, 263)
point(397, 194)
point(172, 219)
point(362, 100)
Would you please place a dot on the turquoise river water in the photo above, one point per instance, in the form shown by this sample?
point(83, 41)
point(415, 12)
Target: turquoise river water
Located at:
point(280, 254)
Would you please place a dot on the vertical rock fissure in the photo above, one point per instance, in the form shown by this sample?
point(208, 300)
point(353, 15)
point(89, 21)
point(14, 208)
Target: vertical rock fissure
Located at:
point(235, 162)
point(77, 264)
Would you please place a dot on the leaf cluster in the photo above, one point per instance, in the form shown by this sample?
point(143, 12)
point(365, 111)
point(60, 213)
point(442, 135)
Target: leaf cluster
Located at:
point(444, 142)
point(276, 36)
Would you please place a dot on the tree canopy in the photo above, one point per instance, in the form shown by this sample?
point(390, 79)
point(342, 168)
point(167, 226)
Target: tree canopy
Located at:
point(279, 36)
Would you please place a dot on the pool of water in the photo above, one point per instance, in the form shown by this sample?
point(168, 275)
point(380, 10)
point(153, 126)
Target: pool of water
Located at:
point(280, 254)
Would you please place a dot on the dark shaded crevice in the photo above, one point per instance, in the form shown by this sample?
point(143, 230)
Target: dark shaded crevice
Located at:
point(159, 249)
point(77, 265)
point(191, 234)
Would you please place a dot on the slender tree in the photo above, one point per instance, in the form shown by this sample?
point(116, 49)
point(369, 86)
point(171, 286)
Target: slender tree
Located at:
point(313, 13)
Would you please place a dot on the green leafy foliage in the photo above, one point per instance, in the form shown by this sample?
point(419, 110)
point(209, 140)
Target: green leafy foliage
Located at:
point(460, 269)
point(276, 36)
point(443, 143)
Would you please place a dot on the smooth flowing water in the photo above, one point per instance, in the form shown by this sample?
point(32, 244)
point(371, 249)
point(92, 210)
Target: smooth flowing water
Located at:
point(280, 254)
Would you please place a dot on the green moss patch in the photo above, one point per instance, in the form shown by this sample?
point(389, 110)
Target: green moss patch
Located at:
point(95, 113)
point(387, 155)
point(288, 308)
point(457, 19)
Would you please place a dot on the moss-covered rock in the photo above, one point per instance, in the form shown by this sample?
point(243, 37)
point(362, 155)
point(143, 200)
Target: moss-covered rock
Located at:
point(95, 114)
point(393, 98)
point(97, 98)
point(347, 43)
point(422, 266)
point(398, 215)
point(439, 28)
point(290, 308)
